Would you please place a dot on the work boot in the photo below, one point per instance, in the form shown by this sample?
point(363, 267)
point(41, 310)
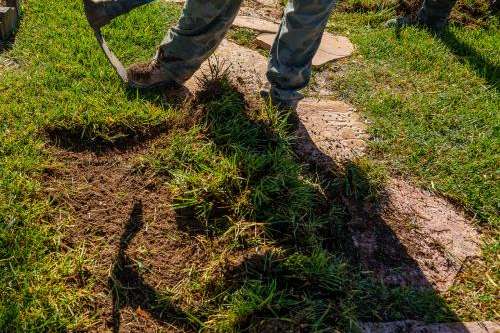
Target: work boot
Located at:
point(270, 94)
point(101, 12)
point(149, 76)
point(400, 22)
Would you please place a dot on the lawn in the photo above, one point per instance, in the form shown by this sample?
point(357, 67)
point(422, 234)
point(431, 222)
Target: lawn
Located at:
point(433, 108)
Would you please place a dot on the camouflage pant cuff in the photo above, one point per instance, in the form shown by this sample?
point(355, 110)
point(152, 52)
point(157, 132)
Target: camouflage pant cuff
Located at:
point(285, 97)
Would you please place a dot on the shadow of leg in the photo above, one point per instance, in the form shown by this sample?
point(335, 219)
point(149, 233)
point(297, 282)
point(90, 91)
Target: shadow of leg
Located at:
point(129, 288)
point(467, 54)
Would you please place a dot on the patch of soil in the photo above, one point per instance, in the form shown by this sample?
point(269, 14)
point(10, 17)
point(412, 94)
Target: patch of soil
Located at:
point(477, 13)
point(466, 13)
point(410, 326)
point(124, 221)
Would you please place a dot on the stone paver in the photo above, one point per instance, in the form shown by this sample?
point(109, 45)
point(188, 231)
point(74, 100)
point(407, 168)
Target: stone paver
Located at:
point(330, 130)
point(247, 67)
point(264, 12)
point(413, 237)
point(419, 327)
point(331, 48)
point(256, 24)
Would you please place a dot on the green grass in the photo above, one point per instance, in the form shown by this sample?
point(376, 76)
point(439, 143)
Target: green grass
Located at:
point(64, 82)
point(229, 170)
point(433, 103)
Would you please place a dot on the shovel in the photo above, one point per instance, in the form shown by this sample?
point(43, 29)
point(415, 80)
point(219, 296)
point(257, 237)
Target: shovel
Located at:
point(99, 13)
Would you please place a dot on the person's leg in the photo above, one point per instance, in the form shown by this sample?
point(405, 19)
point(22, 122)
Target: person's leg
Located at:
point(434, 14)
point(295, 46)
point(101, 12)
point(199, 32)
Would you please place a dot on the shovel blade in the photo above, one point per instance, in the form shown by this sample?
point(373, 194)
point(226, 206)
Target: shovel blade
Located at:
point(110, 10)
point(113, 59)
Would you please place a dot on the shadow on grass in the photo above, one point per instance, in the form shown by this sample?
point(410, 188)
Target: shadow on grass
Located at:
point(467, 54)
point(320, 277)
point(317, 280)
point(129, 289)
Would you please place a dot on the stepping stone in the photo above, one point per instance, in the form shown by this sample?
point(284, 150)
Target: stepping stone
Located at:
point(330, 131)
point(413, 237)
point(331, 48)
point(410, 326)
point(256, 24)
point(8, 21)
point(263, 12)
point(247, 67)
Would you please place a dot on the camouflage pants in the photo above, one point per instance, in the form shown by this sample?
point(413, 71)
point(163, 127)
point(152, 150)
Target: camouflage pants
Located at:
point(204, 23)
point(435, 13)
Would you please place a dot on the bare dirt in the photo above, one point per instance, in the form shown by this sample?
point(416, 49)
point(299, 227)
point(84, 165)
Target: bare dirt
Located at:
point(135, 243)
point(410, 326)
point(467, 13)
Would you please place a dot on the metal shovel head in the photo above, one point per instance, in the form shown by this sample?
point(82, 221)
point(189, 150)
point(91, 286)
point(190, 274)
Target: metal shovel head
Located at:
point(123, 7)
point(113, 59)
